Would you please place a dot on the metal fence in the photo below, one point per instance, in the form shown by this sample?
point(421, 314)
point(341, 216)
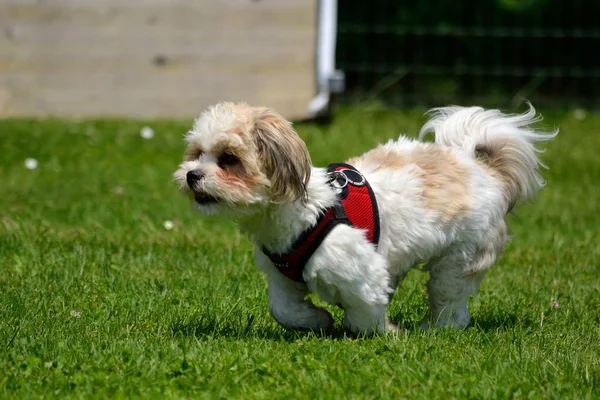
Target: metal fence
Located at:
point(490, 52)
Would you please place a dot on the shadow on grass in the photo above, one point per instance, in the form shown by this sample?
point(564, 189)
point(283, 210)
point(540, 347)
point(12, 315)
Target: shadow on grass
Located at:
point(211, 327)
point(500, 322)
point(208, 327)
point(485, 322)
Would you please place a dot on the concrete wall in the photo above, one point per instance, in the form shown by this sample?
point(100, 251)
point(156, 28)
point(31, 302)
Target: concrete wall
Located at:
point(154, 58)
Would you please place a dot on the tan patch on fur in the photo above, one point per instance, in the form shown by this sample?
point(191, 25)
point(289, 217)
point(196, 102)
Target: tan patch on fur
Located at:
point(232, 179)
point(283, 154)
point(387, 158)
point(192, 152)
point(445, 181)
point(228, 144)
point(501, 166)
point(238, 130)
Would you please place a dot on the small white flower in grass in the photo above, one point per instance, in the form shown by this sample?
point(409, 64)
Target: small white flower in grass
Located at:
point(48, 364)
point(579, 114)
point(147, 132)
point(118, 190)
point(168, 225)
point(75, 314)
point(31, 163)
point(554, 304)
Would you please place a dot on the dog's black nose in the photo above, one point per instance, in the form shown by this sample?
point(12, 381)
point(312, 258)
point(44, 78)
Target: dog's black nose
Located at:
point(193, 176)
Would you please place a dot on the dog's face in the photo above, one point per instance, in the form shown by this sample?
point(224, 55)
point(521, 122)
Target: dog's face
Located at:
point(240, 159)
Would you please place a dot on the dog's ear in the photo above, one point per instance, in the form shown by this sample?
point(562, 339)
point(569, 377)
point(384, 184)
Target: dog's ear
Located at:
point(284, 155)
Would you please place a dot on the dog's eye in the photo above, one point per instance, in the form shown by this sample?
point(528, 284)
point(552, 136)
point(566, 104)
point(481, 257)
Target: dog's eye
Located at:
point(228, 159)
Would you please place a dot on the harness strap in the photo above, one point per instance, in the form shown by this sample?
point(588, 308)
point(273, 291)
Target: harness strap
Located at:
point(356, 206)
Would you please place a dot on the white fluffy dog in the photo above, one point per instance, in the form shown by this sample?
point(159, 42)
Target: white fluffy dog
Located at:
point(441, 203)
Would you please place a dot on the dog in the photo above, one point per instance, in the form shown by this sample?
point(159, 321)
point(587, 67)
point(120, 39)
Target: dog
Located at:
point(440, 204)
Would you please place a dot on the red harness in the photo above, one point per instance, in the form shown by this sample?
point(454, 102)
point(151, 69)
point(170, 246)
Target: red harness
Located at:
point(357, 207)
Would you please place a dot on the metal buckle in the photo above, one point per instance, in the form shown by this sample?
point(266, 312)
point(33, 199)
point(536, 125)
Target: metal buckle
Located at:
point(341, 173)
point(334, 177)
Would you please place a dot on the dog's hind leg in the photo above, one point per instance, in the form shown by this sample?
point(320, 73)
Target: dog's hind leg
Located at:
point(456, 276)
point(449, 289)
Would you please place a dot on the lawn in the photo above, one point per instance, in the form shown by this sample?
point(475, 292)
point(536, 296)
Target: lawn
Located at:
point(111, 287)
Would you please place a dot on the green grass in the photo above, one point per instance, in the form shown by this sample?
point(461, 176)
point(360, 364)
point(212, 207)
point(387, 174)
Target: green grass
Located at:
point(99, 300)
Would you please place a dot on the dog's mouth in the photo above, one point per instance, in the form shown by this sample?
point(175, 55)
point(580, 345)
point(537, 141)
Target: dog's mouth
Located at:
point(203, 198)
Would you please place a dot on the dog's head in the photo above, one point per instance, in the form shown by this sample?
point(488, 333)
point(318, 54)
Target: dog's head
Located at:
point(240, 158)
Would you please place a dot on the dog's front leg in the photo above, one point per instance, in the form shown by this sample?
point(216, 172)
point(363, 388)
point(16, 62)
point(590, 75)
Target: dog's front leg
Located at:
point(288, 302)
point(365, 300)
point(290, 307)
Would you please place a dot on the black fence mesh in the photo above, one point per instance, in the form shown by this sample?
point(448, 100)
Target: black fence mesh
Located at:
point(490, 52)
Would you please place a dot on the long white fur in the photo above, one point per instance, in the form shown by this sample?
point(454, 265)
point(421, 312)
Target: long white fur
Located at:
point(347, 270)
point(468, 128)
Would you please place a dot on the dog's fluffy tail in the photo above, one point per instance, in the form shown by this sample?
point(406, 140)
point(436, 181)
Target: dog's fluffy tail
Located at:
point(504, 142)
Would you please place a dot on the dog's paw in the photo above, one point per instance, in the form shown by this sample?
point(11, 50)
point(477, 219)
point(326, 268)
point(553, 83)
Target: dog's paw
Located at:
point(452, 320)
point(323, 322)
point(306, 318)
point(395, 327)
